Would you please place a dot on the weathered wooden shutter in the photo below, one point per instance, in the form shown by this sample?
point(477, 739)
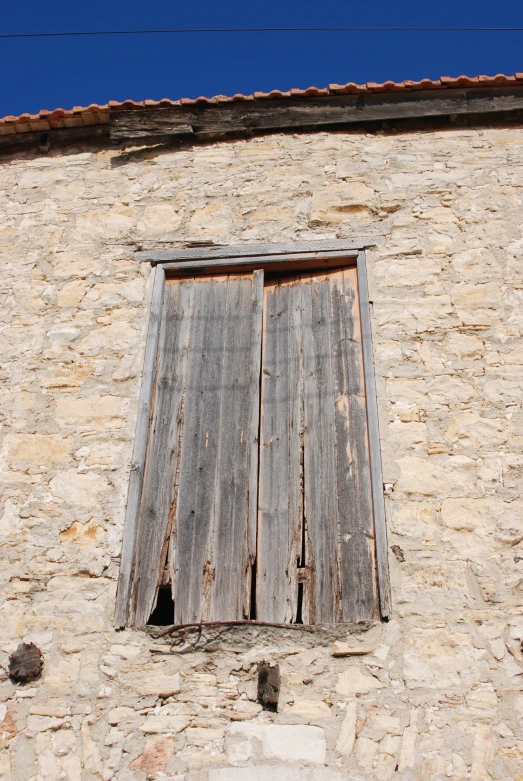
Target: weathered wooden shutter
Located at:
point(197, 515)
point(315, 524)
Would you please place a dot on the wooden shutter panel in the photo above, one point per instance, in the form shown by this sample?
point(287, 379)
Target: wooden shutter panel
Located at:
point(197, 507)
point(315, 514)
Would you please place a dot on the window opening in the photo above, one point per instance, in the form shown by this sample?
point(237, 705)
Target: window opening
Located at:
point(321, 315)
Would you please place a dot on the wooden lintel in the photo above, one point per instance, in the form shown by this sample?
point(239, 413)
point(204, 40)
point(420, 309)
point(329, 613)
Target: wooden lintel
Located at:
point(349, 246)
point(294, 113)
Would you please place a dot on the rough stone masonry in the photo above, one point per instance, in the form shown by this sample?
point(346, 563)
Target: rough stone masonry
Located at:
point(439, 692)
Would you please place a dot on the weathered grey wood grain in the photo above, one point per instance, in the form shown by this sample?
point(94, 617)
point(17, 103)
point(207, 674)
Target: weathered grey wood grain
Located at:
point(319, 450)
point(247, 250)
point(374, 443)
point(318, 258)
point(284, 113)
point(162, 453)
point(254, 423)
point(280, 499)
point(199, 452)
point(356, 532)
point(138, 458)
point(231, 549)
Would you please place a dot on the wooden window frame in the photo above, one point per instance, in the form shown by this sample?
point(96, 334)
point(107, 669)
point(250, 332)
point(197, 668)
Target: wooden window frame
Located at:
point(297, 256)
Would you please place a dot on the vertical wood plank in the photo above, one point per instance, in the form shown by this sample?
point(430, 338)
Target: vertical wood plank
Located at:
point(280, 503)
point(214, 546)
point(254, 428)
point(230, 553)
point(357, 543)
point(162, 452)
point(199, 451)
point(374, 442)
point(138, 458)
point(319, 451)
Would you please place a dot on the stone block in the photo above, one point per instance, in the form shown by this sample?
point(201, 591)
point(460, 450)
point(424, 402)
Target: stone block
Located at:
point(354, 681)
point(82, 490)
point(293, 743)
point(347, 735)
point(477, 304)
point(165, 724)
point(91, 412)
point(118, 338)
point(155, 756)
point(70, 295)
point(437, 659)
point(308, 710)
point(381, 724)
point(159, 220)
point(24, 450)
point(213, 221)
point(342, 202)
point(152, 678)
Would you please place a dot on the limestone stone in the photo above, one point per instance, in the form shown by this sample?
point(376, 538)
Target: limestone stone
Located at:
point(439, 214)
point(294, 743)
point(420, 477)
point(37, 449)
point(476, 304)
point(469, 429)
point(71, 293)
point(341, 202)
point(385, 766)
point(476, 265)
point(66, 377)
point(347, 735)
point(118, 337)
point(376, 727)
point(213, 221)
point(404, 272)
point(83, 535)
point(354, 681)
point(84, 490)
point(482, 752)
point(155, 756)
point(76, 264)
point(169, 724)
point(439, 658)
point(151, 679)
point(202, 736)
point(465, 345)
point(309, 710)
point(366, 752)
point(158, 220)
point(390, 744)
point(121, 713)
point(99, 412)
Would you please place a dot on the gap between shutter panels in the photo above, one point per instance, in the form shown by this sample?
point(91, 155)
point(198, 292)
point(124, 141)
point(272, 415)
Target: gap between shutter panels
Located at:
point(316, 316)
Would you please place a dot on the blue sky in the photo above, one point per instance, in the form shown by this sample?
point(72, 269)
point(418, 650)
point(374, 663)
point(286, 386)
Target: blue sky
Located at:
point(62, 72)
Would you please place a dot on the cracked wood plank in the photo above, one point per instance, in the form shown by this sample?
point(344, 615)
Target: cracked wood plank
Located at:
point(211, 523)
point(280, 496)
point(356, 532)
point(163, 447)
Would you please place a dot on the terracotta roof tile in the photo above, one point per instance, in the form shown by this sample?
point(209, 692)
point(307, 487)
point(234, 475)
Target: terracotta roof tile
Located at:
point(99, 114)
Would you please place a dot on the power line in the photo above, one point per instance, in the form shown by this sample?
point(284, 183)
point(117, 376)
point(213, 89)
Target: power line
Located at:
point(192, 30)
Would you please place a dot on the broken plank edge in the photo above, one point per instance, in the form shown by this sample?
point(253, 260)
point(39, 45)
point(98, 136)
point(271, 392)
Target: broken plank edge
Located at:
point(140, 447)
point(374, 442)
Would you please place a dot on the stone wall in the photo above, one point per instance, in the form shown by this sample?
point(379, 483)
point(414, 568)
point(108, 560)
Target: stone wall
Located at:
point(439, 693)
